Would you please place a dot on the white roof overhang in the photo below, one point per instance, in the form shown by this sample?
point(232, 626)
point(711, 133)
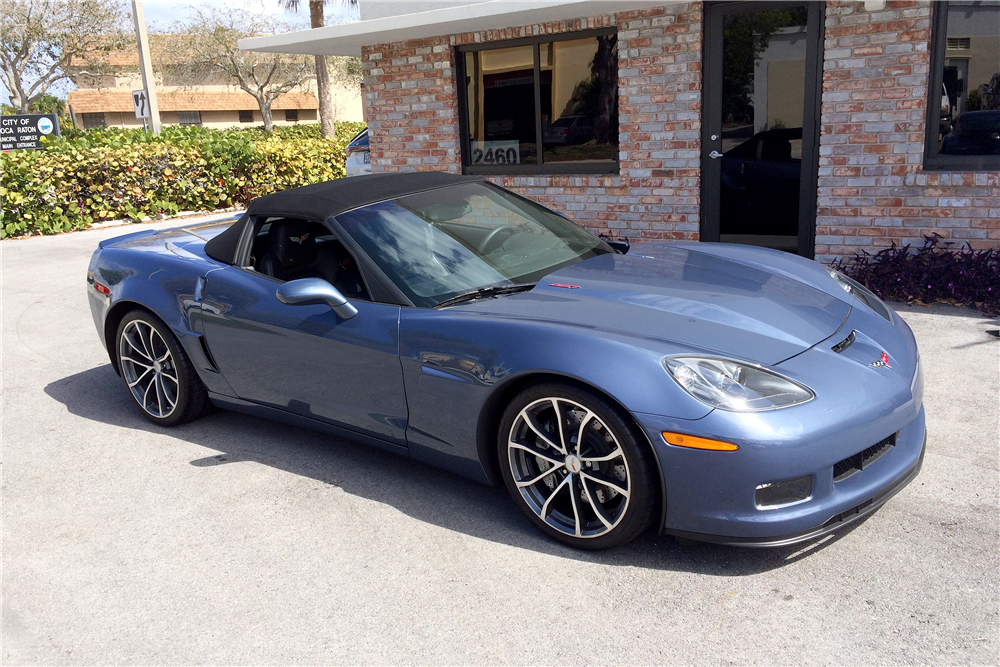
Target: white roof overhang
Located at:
point(347, 39)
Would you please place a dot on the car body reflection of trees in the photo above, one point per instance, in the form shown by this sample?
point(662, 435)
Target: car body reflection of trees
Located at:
point(760, 184)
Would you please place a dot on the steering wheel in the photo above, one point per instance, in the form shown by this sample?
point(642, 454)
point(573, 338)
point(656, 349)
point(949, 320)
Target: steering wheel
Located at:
point(484, 245)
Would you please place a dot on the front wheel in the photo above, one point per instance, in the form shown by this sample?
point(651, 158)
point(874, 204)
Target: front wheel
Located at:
point(577, 467)
point(157, 373)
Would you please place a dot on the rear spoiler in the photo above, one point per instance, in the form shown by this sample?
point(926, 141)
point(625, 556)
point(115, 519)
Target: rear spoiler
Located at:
point(127, 237)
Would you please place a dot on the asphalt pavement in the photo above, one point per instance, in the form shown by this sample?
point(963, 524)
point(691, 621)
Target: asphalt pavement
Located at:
point(236, 540)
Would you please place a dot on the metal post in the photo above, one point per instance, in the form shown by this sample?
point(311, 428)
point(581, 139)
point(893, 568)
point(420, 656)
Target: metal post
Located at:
point(146, 65)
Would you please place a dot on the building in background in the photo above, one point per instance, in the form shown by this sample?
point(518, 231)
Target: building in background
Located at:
point(811, 127)
point(103, 98)
point(206, 108)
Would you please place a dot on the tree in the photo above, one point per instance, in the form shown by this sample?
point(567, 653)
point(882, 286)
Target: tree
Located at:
point(210, 44)
point(40, 38)
point(317, 20)
point(597, 97)
point(746, 37)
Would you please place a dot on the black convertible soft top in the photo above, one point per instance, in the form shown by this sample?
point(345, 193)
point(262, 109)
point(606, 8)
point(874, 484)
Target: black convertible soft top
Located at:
point(323, 200)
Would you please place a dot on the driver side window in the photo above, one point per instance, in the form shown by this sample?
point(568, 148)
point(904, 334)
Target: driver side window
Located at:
point(291, 248)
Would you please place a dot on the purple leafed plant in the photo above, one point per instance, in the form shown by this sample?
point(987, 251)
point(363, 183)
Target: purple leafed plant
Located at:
point(933, 273)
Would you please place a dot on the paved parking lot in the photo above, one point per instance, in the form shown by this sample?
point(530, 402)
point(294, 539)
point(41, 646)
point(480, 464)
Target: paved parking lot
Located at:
point(236, 540)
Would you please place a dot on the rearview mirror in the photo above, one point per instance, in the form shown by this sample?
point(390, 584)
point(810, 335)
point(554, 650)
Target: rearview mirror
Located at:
point(313, 291)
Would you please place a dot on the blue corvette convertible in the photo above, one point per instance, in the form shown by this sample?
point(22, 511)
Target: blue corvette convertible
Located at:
point(725, 393)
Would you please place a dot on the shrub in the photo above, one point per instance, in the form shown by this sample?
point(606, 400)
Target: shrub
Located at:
point(965, 277)
point(112, 173)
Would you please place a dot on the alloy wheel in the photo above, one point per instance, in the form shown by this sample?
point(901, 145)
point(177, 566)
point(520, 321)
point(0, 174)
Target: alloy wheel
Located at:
point(569, 467)
point(148, 369)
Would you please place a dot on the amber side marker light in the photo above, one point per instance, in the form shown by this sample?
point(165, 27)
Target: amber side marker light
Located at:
point(694, 442)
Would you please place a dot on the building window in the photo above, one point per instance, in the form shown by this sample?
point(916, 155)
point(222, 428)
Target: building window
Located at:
point(541, 105)
point(92, 120)
point(292, 115)
point(246, 116)
point(963, 106)
point(189, 117)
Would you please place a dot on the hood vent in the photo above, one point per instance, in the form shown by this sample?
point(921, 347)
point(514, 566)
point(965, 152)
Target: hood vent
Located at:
point(844, 344)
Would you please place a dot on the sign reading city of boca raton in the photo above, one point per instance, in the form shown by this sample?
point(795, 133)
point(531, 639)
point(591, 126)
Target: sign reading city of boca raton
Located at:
point(26, 131)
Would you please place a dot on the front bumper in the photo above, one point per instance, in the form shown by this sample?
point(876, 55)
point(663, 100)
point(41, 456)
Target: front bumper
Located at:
point(710, 495)
point(838, 521)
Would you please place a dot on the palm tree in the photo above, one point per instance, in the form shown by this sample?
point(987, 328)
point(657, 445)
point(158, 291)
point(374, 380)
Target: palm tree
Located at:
point(317, 20)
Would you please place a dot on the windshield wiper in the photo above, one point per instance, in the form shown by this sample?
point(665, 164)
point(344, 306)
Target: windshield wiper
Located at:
point(486, 293)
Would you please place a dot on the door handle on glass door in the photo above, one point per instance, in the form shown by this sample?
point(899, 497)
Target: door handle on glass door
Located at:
point(715, 155)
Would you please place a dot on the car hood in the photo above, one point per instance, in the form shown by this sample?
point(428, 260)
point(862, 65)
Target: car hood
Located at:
point(693, 299)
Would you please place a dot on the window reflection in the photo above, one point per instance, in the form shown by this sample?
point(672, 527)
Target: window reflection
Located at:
point(763, 110)
point(579, 85)
point(553, 101)
point(970, 91)
point(501, 102)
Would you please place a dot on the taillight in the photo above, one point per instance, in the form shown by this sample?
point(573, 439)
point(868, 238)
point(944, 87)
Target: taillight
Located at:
point(101, 288)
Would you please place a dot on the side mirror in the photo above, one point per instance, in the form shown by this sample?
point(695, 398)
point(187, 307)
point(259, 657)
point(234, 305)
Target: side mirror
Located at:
point(620, 246)
point(313, 291)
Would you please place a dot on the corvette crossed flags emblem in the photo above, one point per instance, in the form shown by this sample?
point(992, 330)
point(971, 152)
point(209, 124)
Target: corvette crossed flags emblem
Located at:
point(884, 361)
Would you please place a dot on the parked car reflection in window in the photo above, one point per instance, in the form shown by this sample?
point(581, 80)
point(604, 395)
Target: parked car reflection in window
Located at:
point(760, 184)
point(974, 133)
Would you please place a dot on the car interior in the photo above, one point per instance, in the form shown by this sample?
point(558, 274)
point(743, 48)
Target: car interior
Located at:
point(291, 248)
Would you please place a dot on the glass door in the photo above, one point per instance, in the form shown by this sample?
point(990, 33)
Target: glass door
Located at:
point(760, 133)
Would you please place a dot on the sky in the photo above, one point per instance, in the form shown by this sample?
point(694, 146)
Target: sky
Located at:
point(160, 14)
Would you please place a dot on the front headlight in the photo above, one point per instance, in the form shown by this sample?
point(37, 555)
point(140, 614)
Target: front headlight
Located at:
point(861, 293)
point(735, 386)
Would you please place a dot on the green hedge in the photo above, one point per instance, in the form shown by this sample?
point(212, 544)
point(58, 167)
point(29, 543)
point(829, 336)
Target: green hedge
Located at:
point(110, 174)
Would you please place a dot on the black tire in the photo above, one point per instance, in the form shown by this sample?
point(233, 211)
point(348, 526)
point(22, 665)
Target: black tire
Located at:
point(570, 504)
point(157, 373)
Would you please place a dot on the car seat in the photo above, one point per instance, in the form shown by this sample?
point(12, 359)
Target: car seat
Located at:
point(293, 252)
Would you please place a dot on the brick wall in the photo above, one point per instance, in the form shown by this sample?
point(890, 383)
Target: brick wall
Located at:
point(872, 190)
point(411, 107)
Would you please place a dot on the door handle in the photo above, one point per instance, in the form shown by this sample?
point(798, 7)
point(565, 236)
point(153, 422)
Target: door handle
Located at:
point(715, 155)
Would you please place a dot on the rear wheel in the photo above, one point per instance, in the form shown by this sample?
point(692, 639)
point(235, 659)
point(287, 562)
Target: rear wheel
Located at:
point(157, 372)
point(577, 467)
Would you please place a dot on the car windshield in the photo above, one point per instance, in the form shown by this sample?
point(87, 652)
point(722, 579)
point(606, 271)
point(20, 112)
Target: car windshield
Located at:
point(438, 244)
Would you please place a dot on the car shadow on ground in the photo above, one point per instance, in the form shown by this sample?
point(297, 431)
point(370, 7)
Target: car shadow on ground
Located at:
point(418, 490)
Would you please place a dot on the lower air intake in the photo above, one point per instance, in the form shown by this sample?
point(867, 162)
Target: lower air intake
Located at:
point(856, 463)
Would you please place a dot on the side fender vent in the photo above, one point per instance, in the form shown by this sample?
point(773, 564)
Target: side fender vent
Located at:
point(208, 354)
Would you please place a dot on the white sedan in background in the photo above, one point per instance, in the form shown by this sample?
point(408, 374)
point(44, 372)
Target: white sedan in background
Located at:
point(358, 159)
